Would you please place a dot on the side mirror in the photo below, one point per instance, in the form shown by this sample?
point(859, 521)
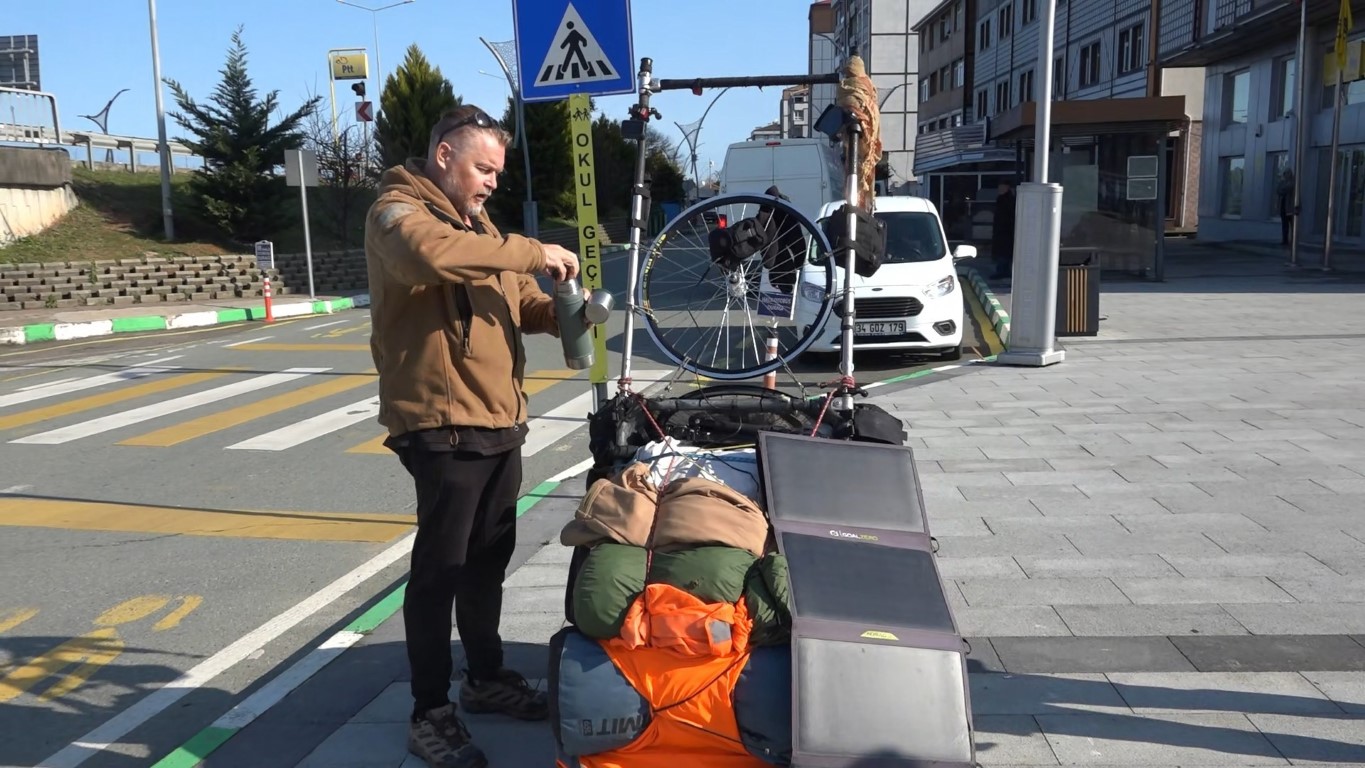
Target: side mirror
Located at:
point(964, 252)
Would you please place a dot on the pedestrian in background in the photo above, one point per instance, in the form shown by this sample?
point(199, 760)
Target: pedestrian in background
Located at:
point(1002, 232)
point(450, 300)
point(1286, 192)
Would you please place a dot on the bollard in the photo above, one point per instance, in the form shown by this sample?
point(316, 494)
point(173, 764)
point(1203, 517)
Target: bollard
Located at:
point(269, 304)
point(770, 378)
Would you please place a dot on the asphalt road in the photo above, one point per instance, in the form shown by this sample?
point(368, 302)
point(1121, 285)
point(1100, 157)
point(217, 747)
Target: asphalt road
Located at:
point(170, 502)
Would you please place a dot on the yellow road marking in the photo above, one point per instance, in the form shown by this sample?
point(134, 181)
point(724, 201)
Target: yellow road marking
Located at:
point(172, 620)
point(89, 652)
point(24, 418)
point(264, 347)
point(339, 332)
point(984, 323)
point(28, 375)
point(535, 382)
point(15, 619)
point(93, 650)
point(130, 611)
point(247, 524)
point(214, 422)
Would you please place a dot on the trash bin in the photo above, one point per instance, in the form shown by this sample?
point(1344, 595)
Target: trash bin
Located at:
point(1078, 293)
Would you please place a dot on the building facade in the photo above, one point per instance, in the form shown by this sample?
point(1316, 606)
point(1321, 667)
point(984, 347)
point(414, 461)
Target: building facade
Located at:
point(1112, 102)
point(795, 113)
point(1249, 52)
point(823, 55)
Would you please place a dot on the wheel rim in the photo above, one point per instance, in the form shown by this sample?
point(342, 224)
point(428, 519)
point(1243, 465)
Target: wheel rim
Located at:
point(709, 316)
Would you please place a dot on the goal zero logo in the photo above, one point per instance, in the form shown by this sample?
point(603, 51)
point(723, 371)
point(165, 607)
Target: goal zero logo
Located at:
point(838, 534)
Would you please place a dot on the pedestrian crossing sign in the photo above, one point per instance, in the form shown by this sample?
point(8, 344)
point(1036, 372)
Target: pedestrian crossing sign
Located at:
point(566, 47)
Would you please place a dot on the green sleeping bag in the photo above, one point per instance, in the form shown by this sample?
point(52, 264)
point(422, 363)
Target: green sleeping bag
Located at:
point(613, 575)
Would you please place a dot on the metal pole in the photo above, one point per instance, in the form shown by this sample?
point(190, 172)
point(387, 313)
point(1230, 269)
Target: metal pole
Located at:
point(378, 65)
point(1300, 134)
point(845, 401)
point(530, 214)
point(307, 237)
point(162, 148)
point(1332, 173)
point(1038, 207)
point(647, 84)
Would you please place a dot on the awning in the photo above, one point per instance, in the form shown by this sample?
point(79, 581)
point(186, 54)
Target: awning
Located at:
point(962, 144)
point(1092, 116)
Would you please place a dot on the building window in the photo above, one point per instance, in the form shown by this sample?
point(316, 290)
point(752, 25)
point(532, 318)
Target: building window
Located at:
point(1059, 78)
point(945, 78)
point(1006, 20)
point(982, 103)
point(1285, 70)
point(923, 91)
point(957, 15)
point(1232, 174)
point(957, 119)
point(943, 29)
point(983, 35)
point(1131, 53)
point(1090, 64)
point(1026, 86)
point(1237, 96)
point(959, 73)
point(1002, 96)
point(1030, 11)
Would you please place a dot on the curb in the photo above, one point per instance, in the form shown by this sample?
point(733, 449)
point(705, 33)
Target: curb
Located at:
point(31, 334)
point(1000, 319)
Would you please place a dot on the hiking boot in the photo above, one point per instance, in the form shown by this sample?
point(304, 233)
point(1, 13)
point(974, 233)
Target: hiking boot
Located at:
point(442, 740)
point(507, 693)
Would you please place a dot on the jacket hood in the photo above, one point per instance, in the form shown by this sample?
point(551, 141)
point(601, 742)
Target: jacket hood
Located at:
point(410, 179)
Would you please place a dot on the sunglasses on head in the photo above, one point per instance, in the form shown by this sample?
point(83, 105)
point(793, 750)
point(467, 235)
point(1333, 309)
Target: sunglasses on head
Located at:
point(480, 118)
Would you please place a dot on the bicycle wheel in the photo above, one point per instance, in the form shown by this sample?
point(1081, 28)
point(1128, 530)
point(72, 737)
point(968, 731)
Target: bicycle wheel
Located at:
point(729, 273)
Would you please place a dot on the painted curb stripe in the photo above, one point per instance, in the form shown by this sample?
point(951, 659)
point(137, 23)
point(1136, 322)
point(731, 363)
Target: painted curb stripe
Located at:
point(32, 334)
point(207, 741)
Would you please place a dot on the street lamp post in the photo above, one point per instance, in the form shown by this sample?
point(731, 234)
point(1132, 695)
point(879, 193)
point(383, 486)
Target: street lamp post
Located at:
point(378, 63)
point(1033, 326)
point(505, 53)
point(162, 147)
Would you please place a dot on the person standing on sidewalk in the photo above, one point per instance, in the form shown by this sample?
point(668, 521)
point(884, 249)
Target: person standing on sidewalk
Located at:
point(1002, 232)
point(450, 300)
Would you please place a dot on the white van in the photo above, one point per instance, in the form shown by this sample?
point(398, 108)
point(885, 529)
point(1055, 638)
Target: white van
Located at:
point(912, 303)
point(808, 171)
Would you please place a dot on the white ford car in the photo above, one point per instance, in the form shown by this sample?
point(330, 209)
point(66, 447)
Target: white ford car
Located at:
point(913, 303)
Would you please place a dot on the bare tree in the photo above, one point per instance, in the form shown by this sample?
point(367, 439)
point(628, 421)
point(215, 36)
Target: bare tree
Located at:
point(347, 175)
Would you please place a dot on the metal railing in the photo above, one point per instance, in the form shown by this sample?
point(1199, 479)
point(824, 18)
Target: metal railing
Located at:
point(32, 117)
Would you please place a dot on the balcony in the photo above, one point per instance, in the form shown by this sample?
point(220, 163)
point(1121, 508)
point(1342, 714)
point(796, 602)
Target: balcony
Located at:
point(1198, 33)
point(955, 146)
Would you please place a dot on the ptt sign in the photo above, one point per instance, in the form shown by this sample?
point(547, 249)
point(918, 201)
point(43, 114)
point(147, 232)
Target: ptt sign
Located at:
point(349, 65)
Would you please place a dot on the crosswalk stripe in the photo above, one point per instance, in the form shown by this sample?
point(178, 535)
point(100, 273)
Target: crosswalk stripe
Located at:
point(67, 386)
point(165, 408)
point(533, 383)
point(214, 422)
point(24, 418)
point(309, 429)
point(548, 429)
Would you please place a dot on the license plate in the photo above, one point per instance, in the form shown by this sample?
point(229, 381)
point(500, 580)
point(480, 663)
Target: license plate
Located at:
point(880, 329)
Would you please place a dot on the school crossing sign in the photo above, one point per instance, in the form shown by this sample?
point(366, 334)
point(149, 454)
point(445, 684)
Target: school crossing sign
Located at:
point(573, 46)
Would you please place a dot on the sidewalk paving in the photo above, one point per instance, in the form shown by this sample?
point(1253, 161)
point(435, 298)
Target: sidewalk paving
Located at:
point(1155, 547)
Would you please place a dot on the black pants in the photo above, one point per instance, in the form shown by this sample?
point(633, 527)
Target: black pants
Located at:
point(466, 532)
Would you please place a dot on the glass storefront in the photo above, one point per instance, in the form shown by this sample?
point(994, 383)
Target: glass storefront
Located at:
point(1349, 217)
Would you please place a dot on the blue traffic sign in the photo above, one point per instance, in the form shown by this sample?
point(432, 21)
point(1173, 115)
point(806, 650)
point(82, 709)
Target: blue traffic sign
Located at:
point(566, 47)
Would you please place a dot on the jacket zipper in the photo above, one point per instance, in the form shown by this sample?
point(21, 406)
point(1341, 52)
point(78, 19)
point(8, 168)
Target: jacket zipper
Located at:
point(517, 355)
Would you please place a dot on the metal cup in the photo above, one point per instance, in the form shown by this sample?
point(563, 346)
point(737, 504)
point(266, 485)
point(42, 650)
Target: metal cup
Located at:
point(598, 307)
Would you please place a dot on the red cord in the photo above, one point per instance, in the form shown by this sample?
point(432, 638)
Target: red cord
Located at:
point(845, 383)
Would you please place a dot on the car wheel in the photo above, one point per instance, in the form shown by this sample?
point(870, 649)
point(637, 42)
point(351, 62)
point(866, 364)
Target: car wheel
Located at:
point(953, 353)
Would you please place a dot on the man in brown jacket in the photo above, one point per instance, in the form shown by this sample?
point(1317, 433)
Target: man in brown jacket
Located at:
point(450, 299)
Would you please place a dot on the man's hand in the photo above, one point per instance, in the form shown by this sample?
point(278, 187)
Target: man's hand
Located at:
point(560, 263)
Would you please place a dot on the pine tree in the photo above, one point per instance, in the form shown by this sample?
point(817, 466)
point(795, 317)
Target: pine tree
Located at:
point(237, 190)
point(414, 98)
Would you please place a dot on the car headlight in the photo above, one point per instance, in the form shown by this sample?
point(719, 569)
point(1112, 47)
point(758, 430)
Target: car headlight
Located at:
point(812, 292)
point(941, 288)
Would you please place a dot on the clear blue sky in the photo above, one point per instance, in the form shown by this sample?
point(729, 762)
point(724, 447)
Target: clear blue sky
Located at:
point(89, 50)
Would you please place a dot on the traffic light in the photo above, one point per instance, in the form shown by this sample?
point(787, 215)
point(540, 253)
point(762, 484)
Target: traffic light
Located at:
point(359, 88)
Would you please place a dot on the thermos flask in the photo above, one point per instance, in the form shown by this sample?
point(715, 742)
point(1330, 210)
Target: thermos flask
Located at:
point(574, 333)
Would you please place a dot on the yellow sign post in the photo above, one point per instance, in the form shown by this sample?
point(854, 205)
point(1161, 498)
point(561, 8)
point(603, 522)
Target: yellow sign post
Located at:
point(589, 251)
point(350, 65)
